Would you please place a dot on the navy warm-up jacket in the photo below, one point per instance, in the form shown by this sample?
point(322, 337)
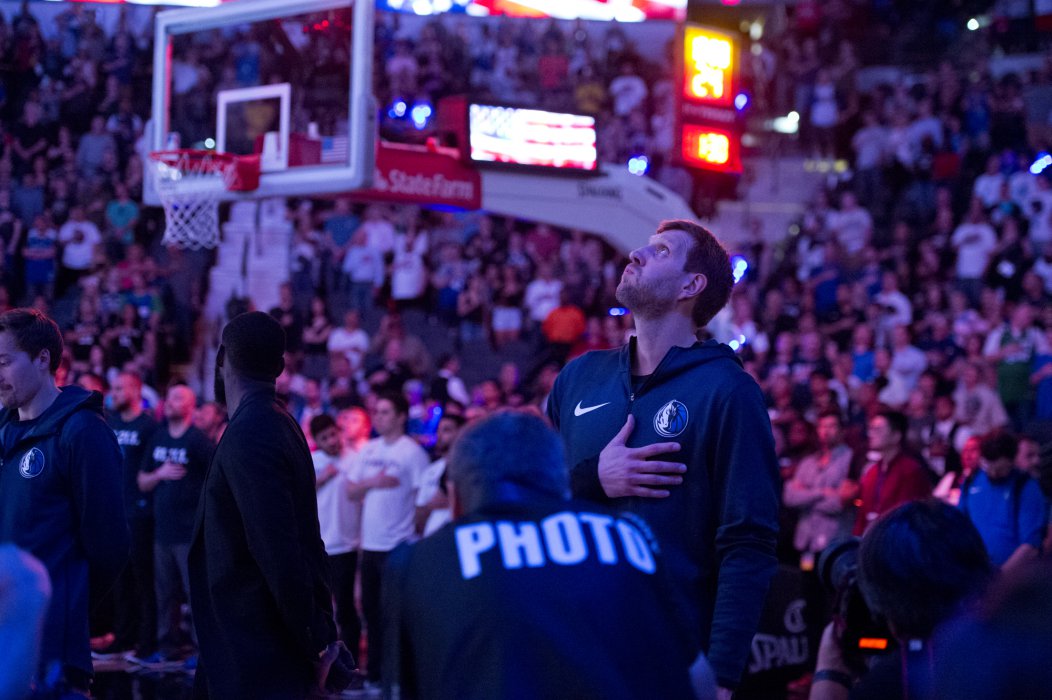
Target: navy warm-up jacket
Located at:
point(718, 529)
point(62, 500)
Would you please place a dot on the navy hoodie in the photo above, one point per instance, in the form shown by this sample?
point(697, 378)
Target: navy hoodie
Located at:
point(61, 499)
point(718, 529)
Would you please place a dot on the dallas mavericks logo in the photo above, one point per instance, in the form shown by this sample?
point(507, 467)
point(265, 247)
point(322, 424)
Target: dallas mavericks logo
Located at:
point(32, 464)
point(671, 419)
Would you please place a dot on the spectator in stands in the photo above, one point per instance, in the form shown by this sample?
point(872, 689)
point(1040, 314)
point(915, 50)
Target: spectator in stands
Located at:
point(78, 239)
point(93, 147)
point(1028, 456)
point(350, 340)
point(978, 406)
point(943, 440)
point(316, 335)
point(628, 90)
point(1013, 347)
point(385, 476)
point(290, 316)
point(564, 326)
point(1005, 504)
point(975, 241)
point(542, 294)
point(895, 477)
point(135, 623)
point(814, 488)
point(339, 517)
point(432, 499)
point(173, 469)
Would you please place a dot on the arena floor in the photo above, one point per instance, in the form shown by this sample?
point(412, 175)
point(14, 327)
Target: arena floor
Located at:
point(120, 680)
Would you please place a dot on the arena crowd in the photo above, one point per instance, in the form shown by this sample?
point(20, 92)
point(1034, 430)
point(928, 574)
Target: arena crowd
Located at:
point(901, 330)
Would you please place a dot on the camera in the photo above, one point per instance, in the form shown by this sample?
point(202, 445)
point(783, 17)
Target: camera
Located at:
point(860, 632)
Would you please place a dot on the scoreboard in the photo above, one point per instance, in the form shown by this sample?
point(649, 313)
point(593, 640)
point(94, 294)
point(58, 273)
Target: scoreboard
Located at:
point(706, 120)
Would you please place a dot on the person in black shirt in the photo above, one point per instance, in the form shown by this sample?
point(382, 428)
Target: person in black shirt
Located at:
point(529, 594)
point(290, 317)
point(174, 467)
point(136, 612)
point(259, 578)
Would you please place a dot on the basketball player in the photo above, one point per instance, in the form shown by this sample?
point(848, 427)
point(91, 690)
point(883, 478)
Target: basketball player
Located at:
point(711, 494)
point(61, 490)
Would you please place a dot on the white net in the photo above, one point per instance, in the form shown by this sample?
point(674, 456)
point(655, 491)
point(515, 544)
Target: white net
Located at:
point(189, 183)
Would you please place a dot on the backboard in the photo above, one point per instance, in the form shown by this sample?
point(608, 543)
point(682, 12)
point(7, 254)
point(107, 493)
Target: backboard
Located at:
point(288, 80)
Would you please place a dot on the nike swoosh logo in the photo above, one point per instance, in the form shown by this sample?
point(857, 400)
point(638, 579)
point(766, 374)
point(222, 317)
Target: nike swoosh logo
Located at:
point(578, 411)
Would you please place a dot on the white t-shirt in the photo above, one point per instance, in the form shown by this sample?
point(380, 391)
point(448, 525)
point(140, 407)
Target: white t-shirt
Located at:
point(380, 235)
point(429, 486)
point(351, 344)
point(1039, 213)
point(387, 514)
point(974, 244)
point(408, 274)
point(628, 92)
point(851, 228)
point(78, 240)
point(542, 297)
point(340, 517)
point(988, 188)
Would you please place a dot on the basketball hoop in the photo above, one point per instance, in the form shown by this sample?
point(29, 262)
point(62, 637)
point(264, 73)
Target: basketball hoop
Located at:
point(189, 182)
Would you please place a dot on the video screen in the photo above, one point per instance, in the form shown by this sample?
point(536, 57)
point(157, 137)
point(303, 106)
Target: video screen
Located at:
point(531, 137)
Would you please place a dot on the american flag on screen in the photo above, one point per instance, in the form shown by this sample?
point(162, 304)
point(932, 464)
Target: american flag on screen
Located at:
point(335, 149)
point(532, 137)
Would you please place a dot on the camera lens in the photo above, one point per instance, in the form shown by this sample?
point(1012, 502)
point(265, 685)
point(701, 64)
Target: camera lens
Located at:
point(837, 564)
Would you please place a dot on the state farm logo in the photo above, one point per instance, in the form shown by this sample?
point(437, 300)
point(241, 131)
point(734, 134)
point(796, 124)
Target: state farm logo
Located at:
point(417, 185)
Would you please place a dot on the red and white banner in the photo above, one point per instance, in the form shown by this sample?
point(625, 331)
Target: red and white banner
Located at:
point(417, 176)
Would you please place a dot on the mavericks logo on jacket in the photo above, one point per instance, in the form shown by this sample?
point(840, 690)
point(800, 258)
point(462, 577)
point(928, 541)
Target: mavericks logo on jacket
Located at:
point(32, 463)
point(671, 419)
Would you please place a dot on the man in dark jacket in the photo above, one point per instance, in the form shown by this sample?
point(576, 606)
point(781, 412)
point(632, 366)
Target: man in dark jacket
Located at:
point(713, 505)
point(259, 582)
point(61, 490)
point(528, 594)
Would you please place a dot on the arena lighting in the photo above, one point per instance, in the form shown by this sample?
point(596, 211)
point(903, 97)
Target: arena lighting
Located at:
point(1043, 161)
point(210, 142)
point(617, 311)
point(741, 101)
point(638, 165)
point(739, 266)
point(397, 110)
point(420, 113)
point(973, 24)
